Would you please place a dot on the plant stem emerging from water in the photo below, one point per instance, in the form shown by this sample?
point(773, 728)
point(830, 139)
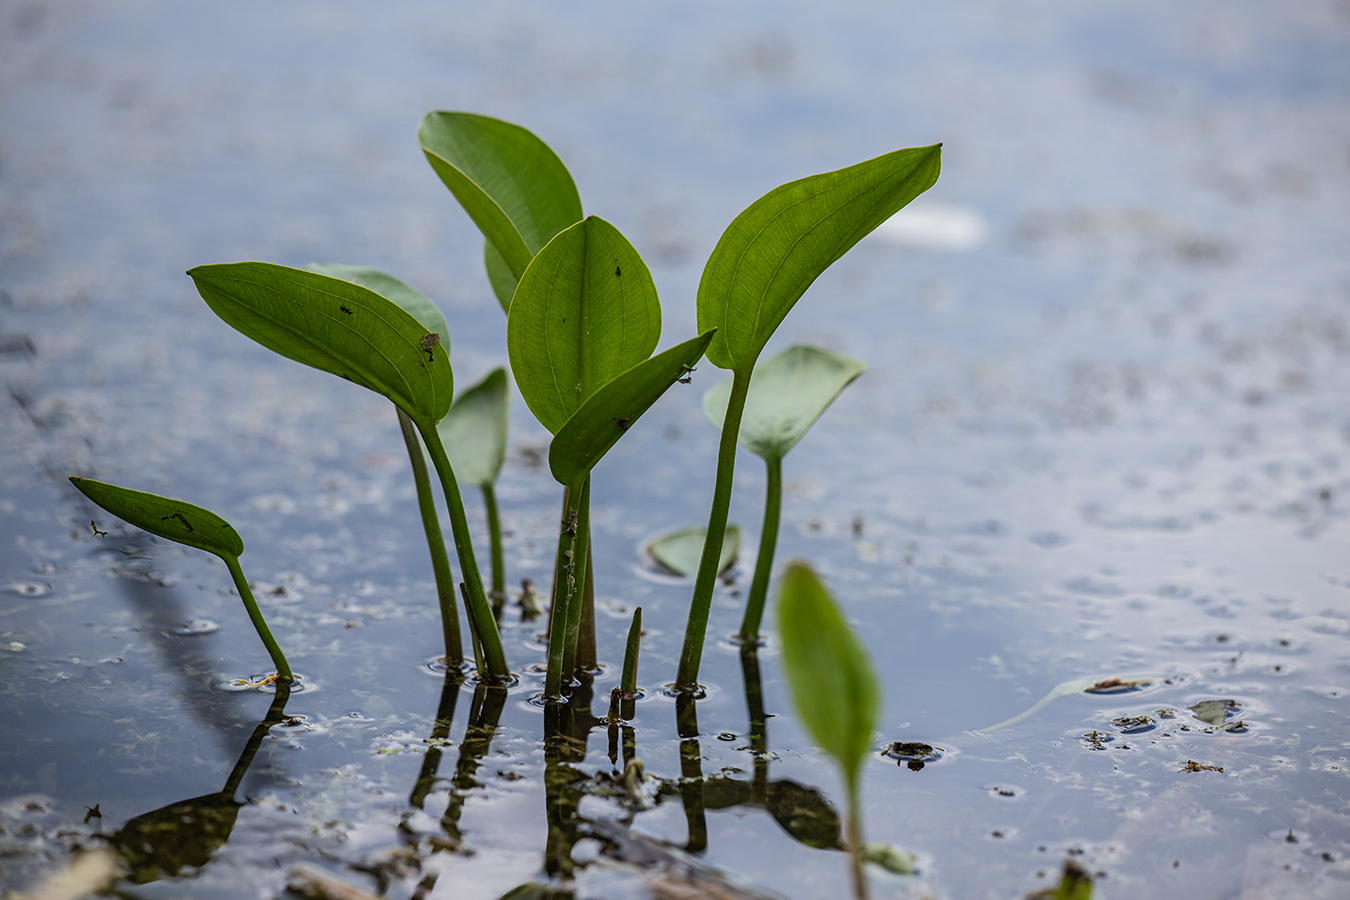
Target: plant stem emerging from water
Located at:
point(768, 540)
point(440, 563)
point(498, 560)
point(259, 625)
point(565, 615)
point(696, 629)
point(493, 666)
point(855, 843)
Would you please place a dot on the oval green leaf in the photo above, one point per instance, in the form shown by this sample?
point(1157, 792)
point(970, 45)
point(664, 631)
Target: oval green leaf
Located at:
point(679, 551)
point(589, 433)
point(499, 276)
point(828, 673)
point(788, 392)
point(516, 190)
point(474, 431)
point(171, 519)
point(772, 252)
point(336, 326)
point(585, 310)
point(409, 299)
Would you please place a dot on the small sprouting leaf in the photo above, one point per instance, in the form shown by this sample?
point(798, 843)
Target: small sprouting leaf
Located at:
point(474, 431)
point(831, 679)
point(772, 252)
point(589, 433)
point(679, 551)
point(171, 519)
point(788, 392)
point(575, 324)
point(409, 299)
point(511, 184)
point(336, 326)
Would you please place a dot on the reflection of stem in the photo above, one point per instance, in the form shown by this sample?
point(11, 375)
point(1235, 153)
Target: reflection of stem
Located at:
point(759, 726)
point(480, 611)
point(691, 773)
point(259, 624)
point(440, 563)
point(768, 539)
point(494, 524)
point(445, 715)
point(484, 713)
point(276, 712)
point(696, 629)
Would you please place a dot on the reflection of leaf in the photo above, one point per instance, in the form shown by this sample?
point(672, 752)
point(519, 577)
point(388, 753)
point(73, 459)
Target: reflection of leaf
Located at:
point(804, 814)
point(474, 431)
point(721, 792)
point(184, 834)
point(832, 682)
point(788, 392)
point(679, 551)
point(1113, 685)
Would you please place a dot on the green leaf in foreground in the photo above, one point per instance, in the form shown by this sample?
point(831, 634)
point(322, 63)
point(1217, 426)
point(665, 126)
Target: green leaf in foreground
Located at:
point(679, 551)
point(772, 252)
point(336, 326)
point(474, 431)
point(409, 299)
point(585, 311)
point(589, 433)
point(832, 682)
point(516, 190)
point(788, 392)
point(171, 519)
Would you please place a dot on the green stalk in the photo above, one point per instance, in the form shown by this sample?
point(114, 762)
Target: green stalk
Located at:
point(855, 844)
point(493, 667)
point(564, 590)
point(259, 625)
point(494, 523)
point(628, 683)
point(696, 629)
point(577, 601)
point(768, 540)
point(440, 563)
point(586, 658)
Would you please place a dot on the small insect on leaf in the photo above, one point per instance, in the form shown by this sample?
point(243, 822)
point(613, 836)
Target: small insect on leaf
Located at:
point(345, 309)
point(97, 533)
point(618, 271)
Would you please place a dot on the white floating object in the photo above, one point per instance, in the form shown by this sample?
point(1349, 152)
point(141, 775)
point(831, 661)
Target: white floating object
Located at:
point(935, 227)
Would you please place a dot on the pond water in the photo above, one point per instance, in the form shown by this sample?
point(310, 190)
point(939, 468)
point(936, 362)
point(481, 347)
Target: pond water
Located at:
point(1104, 435)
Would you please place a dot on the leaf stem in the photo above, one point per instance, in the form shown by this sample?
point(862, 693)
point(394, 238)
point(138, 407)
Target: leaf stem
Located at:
point(855, 844)
point(564, 591)
point(576, 600)
point(440, 563)
point(768, 540)
point(696, 629)
point(259, 625)
point(628, 683)
point(586, 656)
point(493, 665)
point(494, 524)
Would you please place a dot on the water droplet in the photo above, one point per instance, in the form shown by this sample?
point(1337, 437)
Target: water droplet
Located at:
point(29, 588)
point(197, 626)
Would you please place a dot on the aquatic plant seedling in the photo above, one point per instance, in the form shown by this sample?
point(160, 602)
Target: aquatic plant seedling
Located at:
point(187, 524)
point(833, 686)
point(789, 392)
point(762, 265)
point(355, 333)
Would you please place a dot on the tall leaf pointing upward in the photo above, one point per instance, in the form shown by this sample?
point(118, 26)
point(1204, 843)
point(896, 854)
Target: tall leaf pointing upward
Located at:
point(772, 252)
point(336, 326)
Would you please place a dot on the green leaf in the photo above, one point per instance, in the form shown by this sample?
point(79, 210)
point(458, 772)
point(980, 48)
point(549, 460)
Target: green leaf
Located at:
point(830, 677)
point(511, 184)
point(586, 310)
point(771, 252)
point(788, 392)
point(589, 433)
point(499, 275)
point(410, 300)
point(336, 326)
point(172, 519)
point(679, 551)
point(474, 431)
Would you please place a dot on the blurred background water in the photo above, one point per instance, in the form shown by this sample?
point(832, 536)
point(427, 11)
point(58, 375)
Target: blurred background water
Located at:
point(1104, 431)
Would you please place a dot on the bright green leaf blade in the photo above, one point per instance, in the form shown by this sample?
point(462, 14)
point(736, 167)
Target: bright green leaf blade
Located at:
point(601, 421)
point(172, 519)
point(788, 392)
point(474, 431)
point(336, 326)
point(679, 551)
point(499, 275)
point(771, 252)
point(831, 679)
point(409, 299)
point(585, 310)
point(511, 184)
